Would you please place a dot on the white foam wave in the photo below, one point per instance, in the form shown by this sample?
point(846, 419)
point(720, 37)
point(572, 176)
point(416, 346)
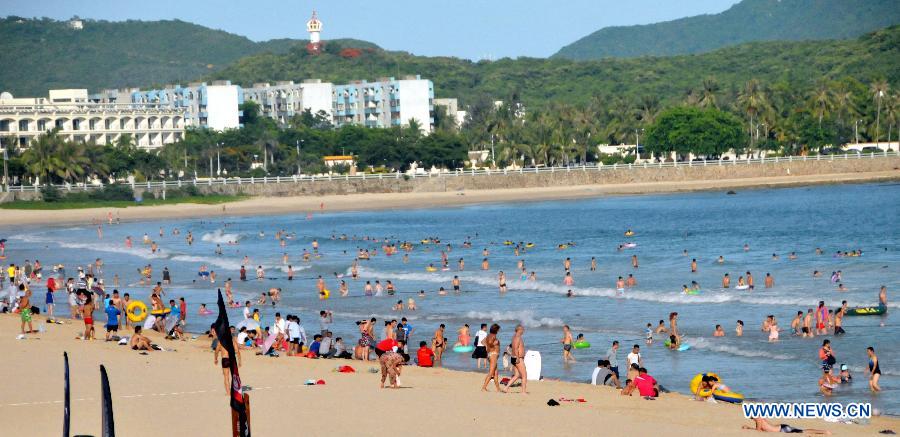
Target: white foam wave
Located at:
point(703, 343)
point(713, 296)
point(219, 237)
point(225, 263)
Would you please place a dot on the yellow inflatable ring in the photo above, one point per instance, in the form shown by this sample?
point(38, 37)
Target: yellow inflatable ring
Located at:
point(325, 294)
point(718, 395)
point(136, 316)
point(161, 312)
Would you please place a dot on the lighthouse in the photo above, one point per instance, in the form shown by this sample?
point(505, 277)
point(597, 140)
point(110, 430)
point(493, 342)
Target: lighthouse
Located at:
point(314, 27)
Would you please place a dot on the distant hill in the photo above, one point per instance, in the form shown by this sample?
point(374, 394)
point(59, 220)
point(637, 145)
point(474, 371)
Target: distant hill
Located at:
point(39, 54)
point(539, 82)
point(749, 20)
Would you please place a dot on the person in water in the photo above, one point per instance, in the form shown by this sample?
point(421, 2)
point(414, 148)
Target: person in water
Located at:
point(873, 369)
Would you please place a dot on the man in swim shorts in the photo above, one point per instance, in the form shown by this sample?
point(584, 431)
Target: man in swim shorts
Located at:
point(25, 309)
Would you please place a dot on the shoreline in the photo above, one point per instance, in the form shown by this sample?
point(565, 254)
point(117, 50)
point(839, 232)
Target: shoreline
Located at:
point(161, 384)
point(414, 200)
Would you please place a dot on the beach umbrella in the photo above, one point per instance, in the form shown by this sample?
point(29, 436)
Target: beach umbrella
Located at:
point(250, 324)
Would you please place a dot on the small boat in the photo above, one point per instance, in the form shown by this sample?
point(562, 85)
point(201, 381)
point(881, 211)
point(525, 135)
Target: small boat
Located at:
point(867, 311)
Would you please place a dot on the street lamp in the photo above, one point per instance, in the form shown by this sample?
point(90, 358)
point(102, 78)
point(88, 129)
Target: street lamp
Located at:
point(298, 156)
point(218, 160)
point(5, 170)
point(637, 140)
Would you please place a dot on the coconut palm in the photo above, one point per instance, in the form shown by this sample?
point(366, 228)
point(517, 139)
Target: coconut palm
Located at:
point(879, 91)
point(41, 157)
point(752, 100)
point(707, 97)
point(822, 101)
point(845, 106)
point(73, 161)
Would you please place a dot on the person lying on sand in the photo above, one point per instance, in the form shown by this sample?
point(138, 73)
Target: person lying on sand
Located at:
point(763, 425)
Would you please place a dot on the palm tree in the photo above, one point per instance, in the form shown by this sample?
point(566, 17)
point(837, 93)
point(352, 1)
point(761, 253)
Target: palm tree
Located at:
point(822, 100)
point(41, 157)
point(879, 91)
point(73, 161)
point(649, 107)
point(891, 110)
point(752, 99)
point(843, 102)
point(707, 98)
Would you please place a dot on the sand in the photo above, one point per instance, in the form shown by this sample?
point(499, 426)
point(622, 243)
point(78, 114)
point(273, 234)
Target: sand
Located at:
point(182, 392)
point(362, 202)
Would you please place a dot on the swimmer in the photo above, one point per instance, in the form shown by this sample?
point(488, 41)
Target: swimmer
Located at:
point(739, 328)
point(726, 281)
point(661, 328)
point(593, 264)
point(721, 260)
point(719, 332)
point(769, 281)
point(411, 304)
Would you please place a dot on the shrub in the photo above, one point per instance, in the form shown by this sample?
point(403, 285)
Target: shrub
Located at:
point(113, 192)
point(50, 193)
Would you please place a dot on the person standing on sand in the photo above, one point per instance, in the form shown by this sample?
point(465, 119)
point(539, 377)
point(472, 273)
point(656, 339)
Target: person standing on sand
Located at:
point(517, 360)
point(226, 359)
point(612, 358)
point(480, 352)
point(25, 309)
point(438, 343)
point(492, 346)
point(567, 345)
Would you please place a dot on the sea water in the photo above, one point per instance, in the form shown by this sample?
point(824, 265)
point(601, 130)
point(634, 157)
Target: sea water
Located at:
point(707, 225)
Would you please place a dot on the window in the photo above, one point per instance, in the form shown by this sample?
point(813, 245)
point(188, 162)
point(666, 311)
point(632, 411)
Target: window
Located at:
point(109, 124)
point(23, 125)
point(4, 125)
point(92, 125)
point(42, 125)
point(60, 124)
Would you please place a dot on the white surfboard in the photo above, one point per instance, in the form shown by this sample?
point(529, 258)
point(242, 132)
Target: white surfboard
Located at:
point(533, 365)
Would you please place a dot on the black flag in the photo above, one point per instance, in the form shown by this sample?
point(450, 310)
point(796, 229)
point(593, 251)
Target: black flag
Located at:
point(107, 423)
point(66, 396)
point(223, 333)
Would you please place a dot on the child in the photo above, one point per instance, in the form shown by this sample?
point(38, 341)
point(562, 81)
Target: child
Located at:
point(411, 304)
point(649, 333)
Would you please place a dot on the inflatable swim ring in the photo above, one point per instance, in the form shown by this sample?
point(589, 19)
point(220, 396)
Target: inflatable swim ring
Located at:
point(463, 348)
point(430, 269)
point(719, 395)
point(581, 345)
point(629, 234)
point(161, 312)
point(692, 292)
point(508, 243)
point(742, 287)
point(629, 245)
point(529, 245)
point(136, 311)
point(324, 294)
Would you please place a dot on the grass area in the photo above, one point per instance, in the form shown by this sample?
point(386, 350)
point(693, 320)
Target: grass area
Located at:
point(82, 204)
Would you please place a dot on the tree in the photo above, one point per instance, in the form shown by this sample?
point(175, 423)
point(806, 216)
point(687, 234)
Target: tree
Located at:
point(41, 158)
point(822, 101)
point(708, 93)
point(879, 90)
point(752, 100)
point(709, 132)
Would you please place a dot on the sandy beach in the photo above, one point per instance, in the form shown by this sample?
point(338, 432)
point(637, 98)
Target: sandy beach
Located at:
point(182, 390)
point(360, 202)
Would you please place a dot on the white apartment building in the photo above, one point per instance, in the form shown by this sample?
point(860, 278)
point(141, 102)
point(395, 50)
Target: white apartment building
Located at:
point(386, 102)
point(285, 99)
point(215, 106)
point(80, 119)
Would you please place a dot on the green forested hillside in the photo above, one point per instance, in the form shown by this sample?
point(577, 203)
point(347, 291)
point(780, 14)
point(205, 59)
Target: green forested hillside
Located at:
point(749, 20)
point(41, 54)
point(539, 82)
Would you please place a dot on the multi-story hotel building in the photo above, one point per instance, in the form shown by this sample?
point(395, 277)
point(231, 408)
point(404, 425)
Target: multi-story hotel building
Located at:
point(215, 105)
point(78, 118)
point(285, 99)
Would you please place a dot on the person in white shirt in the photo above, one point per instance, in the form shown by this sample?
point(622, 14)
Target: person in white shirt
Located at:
point(480, 352)
point(603, 375)
point(278, 328)
point(242, 336)
point(293, 332)
point(325, 321)
point(247, 313)
point(634, 357)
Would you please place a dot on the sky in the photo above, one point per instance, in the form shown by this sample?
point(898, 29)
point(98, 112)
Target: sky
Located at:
point(474, 29)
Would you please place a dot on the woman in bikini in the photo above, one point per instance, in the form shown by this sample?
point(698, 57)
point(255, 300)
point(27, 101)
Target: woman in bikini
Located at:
point(463, 338)
point(492, 344)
